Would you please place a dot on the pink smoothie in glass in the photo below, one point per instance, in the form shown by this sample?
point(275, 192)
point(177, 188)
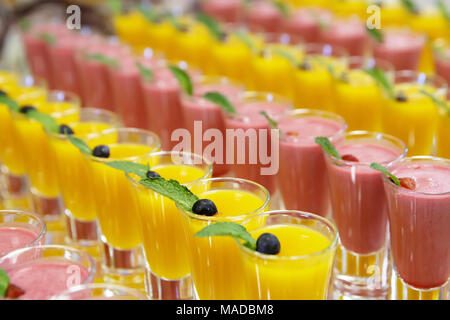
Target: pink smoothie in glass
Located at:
point(357, 194)
point(264, 16)
point(249, 117)
point(226, 11)
point(420, 222)
point(402, 49)
point(306, 23)
point(44, 278)
point(302, 176)
point(442, 65)
point(12, 238)
point(196, 108)
point(94, 75)
point(350, 35)
point(163, 103)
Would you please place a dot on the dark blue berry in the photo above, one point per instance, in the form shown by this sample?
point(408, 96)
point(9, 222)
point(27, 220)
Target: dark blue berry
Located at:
point(3, 93)
point(65, 129)
point(305, 65)
point(401, 97)
point(268, 243)
point(101, 151)
point(152, 174)
point(204, 207)
point(26, 109)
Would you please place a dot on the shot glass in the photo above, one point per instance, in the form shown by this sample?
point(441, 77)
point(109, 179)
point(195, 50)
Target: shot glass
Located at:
point(302, 177)
point(215, 264)
point(74, 177)
point(19, 229)
point(100, 291)
point(166, 253)
point(362, 267)
point(302, 269)
point(116, 210)
point(45, 271)
point(419, 225)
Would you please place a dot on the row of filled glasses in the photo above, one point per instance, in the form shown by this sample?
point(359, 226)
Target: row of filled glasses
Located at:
point(130, 215)
point(326, 78)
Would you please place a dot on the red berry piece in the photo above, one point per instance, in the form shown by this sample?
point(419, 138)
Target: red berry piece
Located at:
point(349, 157)
point(14, 292)
point(408, 183)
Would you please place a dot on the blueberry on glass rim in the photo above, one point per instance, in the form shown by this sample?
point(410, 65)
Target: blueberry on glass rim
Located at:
point(65, 129)
point(401, 97)
point(101, 151)
point(26, 109)
point(152, 174)
point(268, 243)
point(204, 207)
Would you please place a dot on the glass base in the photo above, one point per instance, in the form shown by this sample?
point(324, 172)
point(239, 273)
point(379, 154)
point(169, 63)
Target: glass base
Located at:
point(13, 185)
point(358, 276)
point(400, 290)
point(80, 232)
point(121, 262)
point(163, 289)
point(48, 208)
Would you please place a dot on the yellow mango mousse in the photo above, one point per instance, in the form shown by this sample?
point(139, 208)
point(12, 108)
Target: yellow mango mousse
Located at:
point(115, 206)
point(300, 271)
point(215, 262)
point(71, 166)
point(161, 226)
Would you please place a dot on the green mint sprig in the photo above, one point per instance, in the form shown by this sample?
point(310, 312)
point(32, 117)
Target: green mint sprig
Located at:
point(149, 14)
point(271, 121)
point(380, 77)
point(183, 79)
point(212, 25)
point(80, 144)
point(101, 58)
point(4, 283)
point(438, 102)
point(376, 34)
point(12, 104)
point(47, 38)
point(443, 9)
point(282, 7)
point(379, 167)
point(229, 229)
point(328, 66)
point(245, 39)
point(221, 101)
point(287, 55)
point(50, 125)
point(145, 72)
point(115, 6)
point(130, 167)
point(327, 147)
point(410, 6)
point(24, 24)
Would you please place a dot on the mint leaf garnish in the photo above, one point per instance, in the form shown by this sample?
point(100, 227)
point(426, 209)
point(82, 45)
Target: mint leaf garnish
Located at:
point(173, 190)
point(47, 121)
point(410, 6)
point(115, 6)
point(145, 72)
point(436, 101)
point(4, 282)
point(230, 229)
point(381, 78)
point(285, 54)
point(12, 104)
point(212, 25)
point(326, 65)
point(282, 7)
point(245, 39)
point(376, 34)
point(24, 24)
point(149, 14)
point(379, 167)
point(445, 13)
point(272, 122)
point(80, 144)
point(103, 59)
point(183, 79)
point(221, 101)
point(327, 147)
point(47, 38)
point(130, 167)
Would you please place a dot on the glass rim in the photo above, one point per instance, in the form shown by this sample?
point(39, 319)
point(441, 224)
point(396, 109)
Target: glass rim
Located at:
point(364, 60)
point(194, 216)
point(125, 129)
point(286, 212)
point(90, 259)
point(212, 79)
point(92, 286)
point(316, 112)
point(319, 49)
point(170, 153)
point(362, 133)
point(391, 184)
point(41, 221)
point(73, 98)
point(88, 110)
